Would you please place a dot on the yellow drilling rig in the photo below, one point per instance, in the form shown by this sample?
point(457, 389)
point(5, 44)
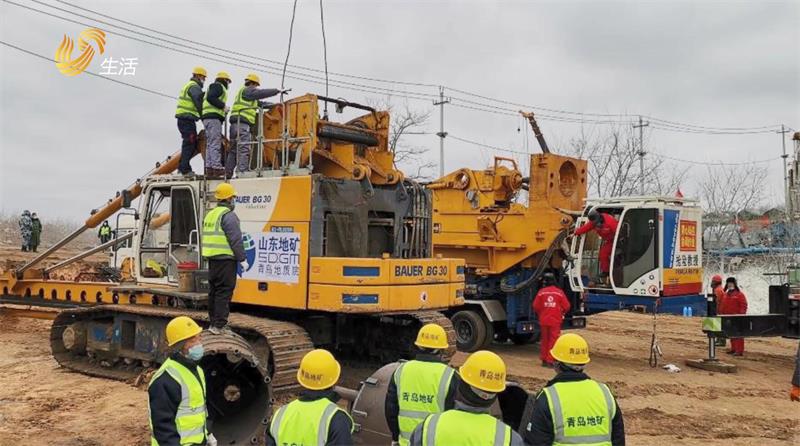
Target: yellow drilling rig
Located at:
point(339, 255)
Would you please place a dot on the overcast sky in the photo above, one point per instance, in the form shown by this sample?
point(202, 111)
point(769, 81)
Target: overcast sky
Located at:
point(67, 143)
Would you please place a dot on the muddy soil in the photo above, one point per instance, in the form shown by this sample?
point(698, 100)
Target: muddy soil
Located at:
point(41, 404)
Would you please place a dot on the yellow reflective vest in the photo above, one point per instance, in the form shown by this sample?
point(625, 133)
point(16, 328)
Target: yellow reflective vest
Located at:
point(304, 423)
point(185, 103)
point(457, 427)
point(421, 391)
point(582, 412)
point(214, 241)
point(246, 110)
point(190, 420)
point(211, 110)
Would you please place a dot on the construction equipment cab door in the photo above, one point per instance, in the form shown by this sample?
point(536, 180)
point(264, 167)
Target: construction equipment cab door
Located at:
point(634, 260)
point(170, 234)
point(578, 268)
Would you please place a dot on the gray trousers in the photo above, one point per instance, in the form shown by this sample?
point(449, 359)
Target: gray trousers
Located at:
point(239, 154)
point(213, 143)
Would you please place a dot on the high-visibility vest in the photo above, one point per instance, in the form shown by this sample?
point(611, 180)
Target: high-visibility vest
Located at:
point(190, 420)
point(421, 391)
point(304, 423)
point(209, 108)
point(185, 102)
point(457, 427)
point(214, 241)
point(243, 108)
point(582, 412)
point(105, 230)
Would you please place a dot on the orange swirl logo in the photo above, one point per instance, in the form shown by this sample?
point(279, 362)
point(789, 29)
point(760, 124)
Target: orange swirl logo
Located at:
point(71, 67)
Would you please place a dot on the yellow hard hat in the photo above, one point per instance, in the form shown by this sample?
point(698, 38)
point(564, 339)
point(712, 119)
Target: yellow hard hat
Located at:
point(224, 191)
point(223, 75)
point(180, 329)
point(431, 336)
point(318, 370)
point(571, 348)
point(200, 70)
point(253, 77)
point(484, 370)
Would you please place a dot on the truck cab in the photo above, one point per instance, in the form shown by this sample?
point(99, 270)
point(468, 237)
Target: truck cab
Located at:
point(656, 256)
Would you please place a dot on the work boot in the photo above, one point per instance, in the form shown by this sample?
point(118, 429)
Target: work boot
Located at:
point(227, 329)
point(730, 352)
point(737, 354)
point(215, 330)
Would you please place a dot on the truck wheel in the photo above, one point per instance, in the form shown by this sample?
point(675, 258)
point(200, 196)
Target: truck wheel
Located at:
point(470, 330)
point(489, 339)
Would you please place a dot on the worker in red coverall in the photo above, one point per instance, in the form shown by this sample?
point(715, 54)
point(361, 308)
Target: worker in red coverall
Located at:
point(550, 305)
point(733, 302)
point(606, 227)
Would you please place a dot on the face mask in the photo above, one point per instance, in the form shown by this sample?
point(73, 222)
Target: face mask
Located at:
point(196, 352)
point(731, 289)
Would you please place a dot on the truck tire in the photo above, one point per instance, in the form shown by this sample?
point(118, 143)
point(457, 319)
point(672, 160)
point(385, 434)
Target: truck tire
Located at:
point(470, 330)
point(489, 339)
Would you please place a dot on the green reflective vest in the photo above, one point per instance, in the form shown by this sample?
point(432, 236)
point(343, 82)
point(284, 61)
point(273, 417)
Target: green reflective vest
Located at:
point(210, 109)
point(190, 420)
point(244, 109)
point(304, 423)
point(214, 241)
point(421, 391)
point(457, 427)
point(105, 230)
point(582, 412)
point(185, 103)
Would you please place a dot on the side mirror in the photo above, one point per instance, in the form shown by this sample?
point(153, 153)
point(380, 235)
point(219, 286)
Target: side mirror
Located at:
point(126, 199)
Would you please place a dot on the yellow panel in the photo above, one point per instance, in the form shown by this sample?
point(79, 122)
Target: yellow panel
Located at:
point(352, 271)
point(371, 299)
point(680, 276)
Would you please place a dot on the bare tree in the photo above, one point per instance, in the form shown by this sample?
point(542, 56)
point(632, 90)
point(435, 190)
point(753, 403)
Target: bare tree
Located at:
point(405, 121)
point(727, 193)
point(614, 169)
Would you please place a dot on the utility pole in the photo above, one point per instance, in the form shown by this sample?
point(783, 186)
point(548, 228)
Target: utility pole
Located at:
point(641, 152)
point(442, 134)
point(783, 131)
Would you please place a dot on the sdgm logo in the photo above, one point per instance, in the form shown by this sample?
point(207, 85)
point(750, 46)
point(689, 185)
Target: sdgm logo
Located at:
point(69, 66)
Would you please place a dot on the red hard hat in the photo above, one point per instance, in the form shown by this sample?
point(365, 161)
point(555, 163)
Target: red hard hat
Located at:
point(716, 278)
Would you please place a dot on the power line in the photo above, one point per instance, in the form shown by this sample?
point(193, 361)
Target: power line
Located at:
point(158, 93)
point(324, 52)
point(289, 47)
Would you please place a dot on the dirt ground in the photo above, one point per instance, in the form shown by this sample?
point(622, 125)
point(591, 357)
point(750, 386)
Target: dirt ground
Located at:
point(40, 404)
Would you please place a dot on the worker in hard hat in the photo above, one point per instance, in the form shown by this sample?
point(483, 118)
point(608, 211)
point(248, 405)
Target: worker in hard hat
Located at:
point(314, 418)
point(420, 387)
point(573, 408)
point(550, 306)
point(242, 120)
point(733, 302)
point(188, 112)
point(177, 391)
point(104, 233)
point(717, 291)
point(214, 111)
point(482, 377)
point(606, 228)
point(223, 247)
point(794, 394)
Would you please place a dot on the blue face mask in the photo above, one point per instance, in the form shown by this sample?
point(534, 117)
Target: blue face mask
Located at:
point(196, 353)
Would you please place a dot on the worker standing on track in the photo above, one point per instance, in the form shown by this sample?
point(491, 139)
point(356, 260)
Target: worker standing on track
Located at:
point(177, 391)
point(243, 117)
point(188, 111)
point(104, 233)
point(420, 387)
point(606, 227)
point(573, 408)
point(36, 232)
point(794, 395)
point(25, 228)
point(482, 377)
point(733, 302)
point(314, 418)
point(224, 248)
point(214, 111)
point(550, 305)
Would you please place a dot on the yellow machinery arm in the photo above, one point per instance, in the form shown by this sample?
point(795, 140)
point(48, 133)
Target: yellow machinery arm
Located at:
point(100, 215)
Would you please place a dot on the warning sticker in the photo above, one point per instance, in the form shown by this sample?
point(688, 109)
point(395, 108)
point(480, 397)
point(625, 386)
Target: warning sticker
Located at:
point(274, 257)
